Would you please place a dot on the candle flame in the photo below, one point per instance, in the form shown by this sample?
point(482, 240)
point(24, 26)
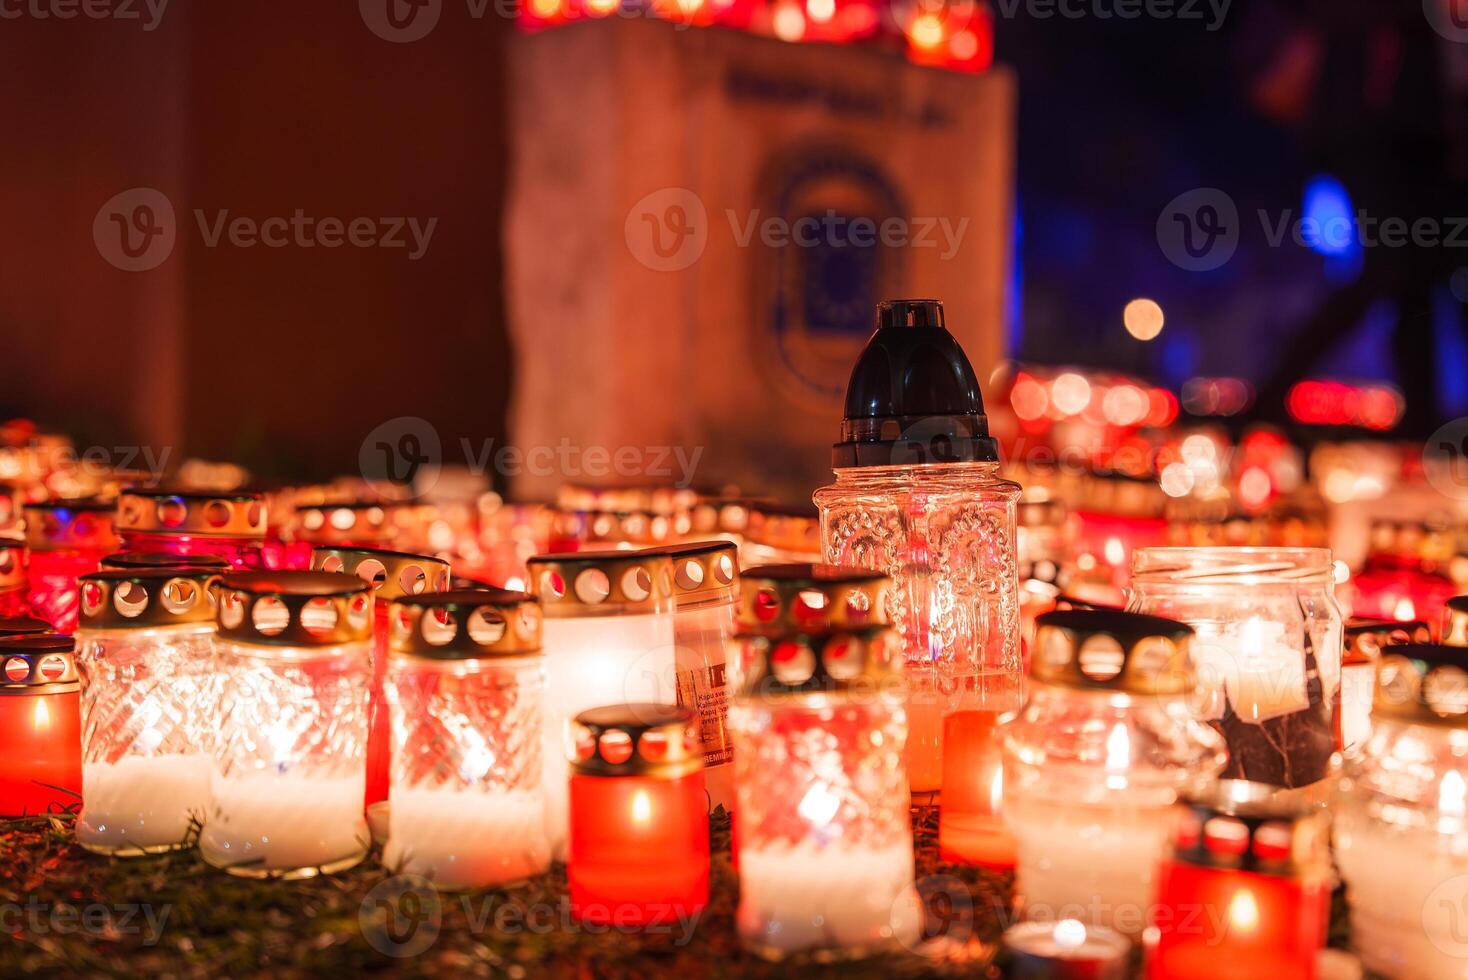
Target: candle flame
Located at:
point(1118, 756)
point(1243, 911)
point(1404, 611)
point(1069, 934)
point(42, 716)
point(996, 790)
point(1452, 801)
point(641, 808)
point(819, 805)
point(1114, 551)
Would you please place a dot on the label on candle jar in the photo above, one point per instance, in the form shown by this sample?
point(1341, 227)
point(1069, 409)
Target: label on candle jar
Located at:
point(704, 689)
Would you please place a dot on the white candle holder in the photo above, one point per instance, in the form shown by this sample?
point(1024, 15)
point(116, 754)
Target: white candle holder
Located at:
point(293, 656)
point(149, 703)
point(465, 683)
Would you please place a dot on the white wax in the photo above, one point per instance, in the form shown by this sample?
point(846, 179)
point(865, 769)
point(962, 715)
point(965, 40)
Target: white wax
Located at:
point(591, 662)
point(1358, 686)
point(1092, 863)
point(267, 822)
point(467, 838)
point(829, 898)
point(142, 803)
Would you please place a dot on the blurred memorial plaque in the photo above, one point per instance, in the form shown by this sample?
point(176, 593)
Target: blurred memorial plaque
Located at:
point(700, 223)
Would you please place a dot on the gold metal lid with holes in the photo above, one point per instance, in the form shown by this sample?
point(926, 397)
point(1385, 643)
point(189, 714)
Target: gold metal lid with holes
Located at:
point(1041, 513)
point(1105, 650)
point(348, 522)
point(24, 626)
point(660, 740)
point(721, 515)
point(833, 661)
point(636, 527)
point(162, 559)
point(238, 514)
point(464, 624)
point(811, 597)
point(1366, 638)
point(391, 574)
point(38, 665)
point(58, 525)
point(602, 583)
point(340, 601)
point(13, 558)
point(1238, 825)
point(796, 529)
point(144, 598)
point(704, 572)
point(1455, 622)
point(1423, 684)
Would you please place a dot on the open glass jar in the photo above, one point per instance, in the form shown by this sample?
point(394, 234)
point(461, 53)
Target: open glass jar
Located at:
point(1104, 747)
point(465, 684)
point(294, 662)
point(230, 525)
point(150, 704)
point(1268, 651)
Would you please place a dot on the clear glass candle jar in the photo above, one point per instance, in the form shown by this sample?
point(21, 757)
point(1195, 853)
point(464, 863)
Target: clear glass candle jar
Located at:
point(919, 496)
point(609, 639)
point(1246, 890)
point(15, 596)
point(1105, 745)
point(40, 716)
point(1364, 641)
point(1268, 650)
point(1401, 819)
point(150, 704)
point(294, 662)
point(706, 603)
point(229, 525)
point(67, 539)
point(1454, 630)
point(465, 686)
point(825, 840)
point(639, 843)
point(390, 575)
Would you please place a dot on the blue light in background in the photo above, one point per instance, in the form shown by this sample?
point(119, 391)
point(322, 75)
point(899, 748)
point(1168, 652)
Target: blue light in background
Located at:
point(1014, 326)
point(1332, 227)
point(1452, 353)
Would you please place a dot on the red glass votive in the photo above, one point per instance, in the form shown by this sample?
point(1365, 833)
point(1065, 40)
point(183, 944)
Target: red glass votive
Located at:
point(230, 525)
point(639, 839)
point(40, 725)
point(971, 827)
point(1245, 895)
point(15, 599)
point(67, 539)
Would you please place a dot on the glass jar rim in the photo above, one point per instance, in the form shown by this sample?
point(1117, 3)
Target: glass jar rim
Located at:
point(1231, 565)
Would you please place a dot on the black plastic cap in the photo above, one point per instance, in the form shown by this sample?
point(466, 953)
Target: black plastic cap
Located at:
point(913, 397)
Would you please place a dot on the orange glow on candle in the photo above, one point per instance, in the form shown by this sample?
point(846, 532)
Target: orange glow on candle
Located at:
point(971, 826)
point(42, 720)
point(641, 808)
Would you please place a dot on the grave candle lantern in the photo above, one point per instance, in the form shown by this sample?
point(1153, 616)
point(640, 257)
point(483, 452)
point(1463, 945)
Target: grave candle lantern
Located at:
point(229, 525)
point(149, 705)
point(1245, 891)
point(293, 656)
point(639, 841)
point(1364, 641)
point(608, 640)
point(1268, 650)
point(1401, 823)
point(1455, 622)
point(15, 599)
point(131, 560)
point(67, 539)
point(1105, 745)
point(390, 575)
point(919, 496)
point(825, 842)
point(41, 767)
point(465, 685)
point(342, 524)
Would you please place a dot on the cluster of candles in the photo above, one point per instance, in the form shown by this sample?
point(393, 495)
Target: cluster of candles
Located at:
point(1157, 778)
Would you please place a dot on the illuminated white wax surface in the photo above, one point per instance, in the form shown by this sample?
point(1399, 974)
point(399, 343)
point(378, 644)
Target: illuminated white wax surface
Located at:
point(268, 822)
point(142, 803)
point(591, 662)
point(846, 899)
point(467, 838)
point(1264, 674)
point(1358, 686)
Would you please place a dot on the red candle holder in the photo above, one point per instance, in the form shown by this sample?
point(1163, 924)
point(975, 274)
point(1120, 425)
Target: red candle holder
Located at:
point(15, 600)
point(67, 539)
point(40, 724)
point(639, 842)
point(971, 828)
point(391, 575)
point(1245, 894)
point(183, 523)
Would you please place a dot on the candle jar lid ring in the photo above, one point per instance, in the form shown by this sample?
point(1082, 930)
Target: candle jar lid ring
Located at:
point(641, 739)
point(14, 557)
point(163, 559)
point(464, 624)
point(1112, 650)
point(341, 522)
point(1366, 638)
point(159, 510)
point(771, 665)
point(795, 528)
point(143, 598)
point(633, 527)
point(812, 597)
point(601, 583)
point(293, 609)
point(1422, 683)
point(1231, 565)
point(722, 515)
point(58, 525)
point(24, 626)
point(704, 572)
point(1245, 826)
point(389, 574)
point(38, 664)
